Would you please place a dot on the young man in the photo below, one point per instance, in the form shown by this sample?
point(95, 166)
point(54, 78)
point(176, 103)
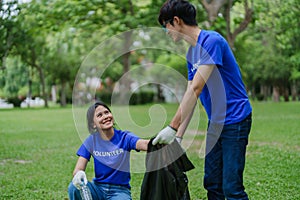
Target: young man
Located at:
point(214, 77)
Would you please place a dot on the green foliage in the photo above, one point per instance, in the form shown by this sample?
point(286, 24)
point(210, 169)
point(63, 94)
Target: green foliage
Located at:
point(23, 91)
point(114, 71)
point(14, 77)
point(220, 25)
point(8, 29)
point(136, 98)
point(169, 60)
point(267, 52)
point(54, 37)
point(295, 73)
point(142, 97)
point(104, 96)
point(287, 26)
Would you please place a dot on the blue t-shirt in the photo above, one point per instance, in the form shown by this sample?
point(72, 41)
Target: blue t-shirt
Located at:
point(224, 96)
point(111, 158)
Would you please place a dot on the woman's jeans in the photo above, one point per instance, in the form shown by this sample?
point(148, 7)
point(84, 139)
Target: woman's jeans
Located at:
point(101, 191)
point(225, 160)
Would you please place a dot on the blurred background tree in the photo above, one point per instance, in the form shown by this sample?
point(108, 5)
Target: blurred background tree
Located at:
point(44, 42)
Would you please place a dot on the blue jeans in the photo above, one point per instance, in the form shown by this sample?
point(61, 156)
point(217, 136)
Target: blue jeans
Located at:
point(101, 191)
point(225, 160)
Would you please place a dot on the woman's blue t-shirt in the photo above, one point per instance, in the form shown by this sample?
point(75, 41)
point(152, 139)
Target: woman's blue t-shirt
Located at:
point(224, 96)
point(111, 158)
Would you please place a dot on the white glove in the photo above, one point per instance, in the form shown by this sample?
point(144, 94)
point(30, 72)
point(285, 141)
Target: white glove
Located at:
point(179, 139)
point(165, 136)
point(79, 178)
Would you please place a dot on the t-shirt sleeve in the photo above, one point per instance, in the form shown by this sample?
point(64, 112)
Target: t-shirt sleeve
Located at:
point(131, 140)
point(208, 51)
point(189, 66)
point(211, 52)
point(85, 149)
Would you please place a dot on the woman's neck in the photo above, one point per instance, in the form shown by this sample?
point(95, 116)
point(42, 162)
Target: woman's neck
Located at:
point(107, 134)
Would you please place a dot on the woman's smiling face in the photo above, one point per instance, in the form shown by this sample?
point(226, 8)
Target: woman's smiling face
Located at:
point(103, 118)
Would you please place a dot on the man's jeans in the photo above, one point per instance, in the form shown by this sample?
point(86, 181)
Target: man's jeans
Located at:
point(225, 160)
point(101, 192)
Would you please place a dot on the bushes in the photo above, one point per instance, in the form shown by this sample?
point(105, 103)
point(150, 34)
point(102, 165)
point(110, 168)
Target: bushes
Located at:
point(16, 101)
point(141, 97)
point(136, 98)
point(104, 96)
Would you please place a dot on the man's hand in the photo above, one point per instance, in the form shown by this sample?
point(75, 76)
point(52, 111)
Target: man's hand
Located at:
point(79, 178)
point(165, 136)
point(179, 139)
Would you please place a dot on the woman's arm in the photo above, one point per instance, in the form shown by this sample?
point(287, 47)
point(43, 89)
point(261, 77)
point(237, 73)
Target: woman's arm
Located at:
point(142, 144)
point(80, 165)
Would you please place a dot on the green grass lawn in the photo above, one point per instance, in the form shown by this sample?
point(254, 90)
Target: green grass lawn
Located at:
point(38, 146)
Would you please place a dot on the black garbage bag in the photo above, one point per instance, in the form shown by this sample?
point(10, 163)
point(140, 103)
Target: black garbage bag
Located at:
point(165, 177)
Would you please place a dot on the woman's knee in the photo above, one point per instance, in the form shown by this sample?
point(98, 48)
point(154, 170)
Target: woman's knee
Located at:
point(73, 191)
point(71, 187)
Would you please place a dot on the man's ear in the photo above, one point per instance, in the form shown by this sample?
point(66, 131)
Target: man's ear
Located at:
point(176, 20)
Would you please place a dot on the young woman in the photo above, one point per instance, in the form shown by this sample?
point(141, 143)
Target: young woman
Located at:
point(110, 149)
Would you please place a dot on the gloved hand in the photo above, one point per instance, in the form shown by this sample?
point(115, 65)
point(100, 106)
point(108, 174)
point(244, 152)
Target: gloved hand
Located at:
point(165, 136)
point(79, 178)
point(179, 139)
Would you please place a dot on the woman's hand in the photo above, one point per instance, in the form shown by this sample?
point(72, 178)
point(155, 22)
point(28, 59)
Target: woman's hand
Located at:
point(79, 178)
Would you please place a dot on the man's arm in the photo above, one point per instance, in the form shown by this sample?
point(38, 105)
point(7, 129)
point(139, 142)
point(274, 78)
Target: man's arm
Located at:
point(190, 97)
point(187, 104)
point(183, 126)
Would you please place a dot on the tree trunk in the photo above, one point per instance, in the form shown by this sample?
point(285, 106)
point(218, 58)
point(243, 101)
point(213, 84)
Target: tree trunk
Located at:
point(9, 42)
point(160, 96)
point(125, 81)
point(125, 84)
point(253, 93)
point(53, 93)
point(264, 91)
point(276, 94)
point(286, 94)
point(231, 35)
point(29, 94)
point(213, 8)
point(294, 90)
point(63, 96)
point(3, 67)
point(43, 83)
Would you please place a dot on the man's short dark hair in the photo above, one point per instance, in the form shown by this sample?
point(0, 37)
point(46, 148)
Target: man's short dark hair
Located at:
point(180, 8)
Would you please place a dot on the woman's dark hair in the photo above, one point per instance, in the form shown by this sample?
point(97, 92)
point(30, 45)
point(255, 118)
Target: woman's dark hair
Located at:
point(180, 8)
point(90, 115)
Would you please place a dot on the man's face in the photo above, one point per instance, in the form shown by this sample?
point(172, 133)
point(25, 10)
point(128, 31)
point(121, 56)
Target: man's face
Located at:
point(172, 30)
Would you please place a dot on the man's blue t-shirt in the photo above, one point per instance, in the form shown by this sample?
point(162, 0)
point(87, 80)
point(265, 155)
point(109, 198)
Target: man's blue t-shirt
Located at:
point(224, 96)
point(111, 158)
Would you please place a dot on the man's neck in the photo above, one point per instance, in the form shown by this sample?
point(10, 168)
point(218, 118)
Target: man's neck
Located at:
point(191, 34)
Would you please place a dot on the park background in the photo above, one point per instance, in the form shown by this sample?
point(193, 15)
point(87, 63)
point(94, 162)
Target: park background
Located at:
point(44, 43)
